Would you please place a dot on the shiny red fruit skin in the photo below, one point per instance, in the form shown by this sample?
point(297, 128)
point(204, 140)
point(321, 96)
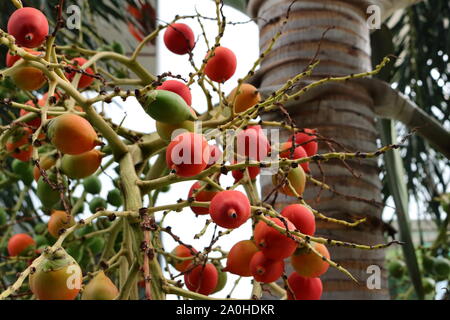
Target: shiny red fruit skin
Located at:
point(222, 66)
point(14, 145)
point(304, 288)
point(85, 81)
point(203, 196)
point(299, 153)
point(188, 154)
point(266, 270)
point(230, 209)
point(28, 26)
point(179, 88)
point(179, 38)
point(302, 218)
point(302, 139)
point(202, 279)
point(272, 243)
point(19, 243)
point(253, 143)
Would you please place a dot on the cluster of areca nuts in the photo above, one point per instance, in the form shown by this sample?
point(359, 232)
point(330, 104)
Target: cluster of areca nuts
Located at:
point(170, 104)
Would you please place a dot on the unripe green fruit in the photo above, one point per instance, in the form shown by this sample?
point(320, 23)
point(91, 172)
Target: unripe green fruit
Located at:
point(165, 189)
point(41, 241)
point(429, 285)
point(103, 223)
point(167, 107)
point(84, 231)
point(46, 194)
point(40, 228)
point(441, 268)
point(115, 198)
point(92, 185)
point(397, 268)
point(97, 203)
point(24, 171)
point(446, 207)
point(165, 130)
point(76, 251)
point(3, 217)
point(100, 288)
point(222, 279)
point(428, 263)
point(96, 245)
point(117, 47)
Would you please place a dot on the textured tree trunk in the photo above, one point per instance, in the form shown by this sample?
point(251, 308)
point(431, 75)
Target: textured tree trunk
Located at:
point(343, 113)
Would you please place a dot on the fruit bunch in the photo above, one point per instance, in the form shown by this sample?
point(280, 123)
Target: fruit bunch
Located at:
point(434, 265)
point(101, 241)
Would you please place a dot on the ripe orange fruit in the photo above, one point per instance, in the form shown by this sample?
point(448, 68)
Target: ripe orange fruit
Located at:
point(26, 78)
point(183, 252)
point(46, 163)
point(248, 97)
point(20, 243)
point(58, 277)
point(239, 257)
point(83, 165)
point(59, 221)
point(19, 144)
point(307, 264)
point(72, 134)
point(100, 288)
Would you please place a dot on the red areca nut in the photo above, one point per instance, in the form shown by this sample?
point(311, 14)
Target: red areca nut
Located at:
point(230, 209)
point(188, 154)
point(273, 243)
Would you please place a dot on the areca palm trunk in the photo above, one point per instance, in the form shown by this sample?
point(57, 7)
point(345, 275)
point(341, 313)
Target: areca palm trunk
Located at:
point(343, 113)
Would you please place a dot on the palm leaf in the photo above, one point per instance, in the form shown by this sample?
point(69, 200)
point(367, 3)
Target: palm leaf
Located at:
point(382, 45)
point(240, 5)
